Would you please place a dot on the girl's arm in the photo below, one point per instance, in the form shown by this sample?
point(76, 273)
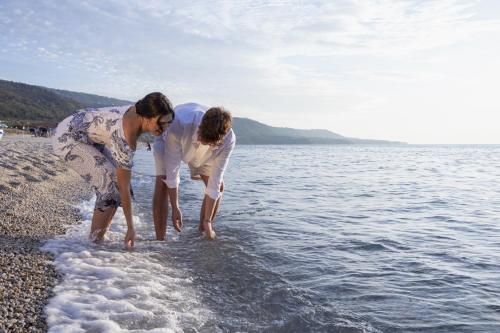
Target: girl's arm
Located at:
point(123, 176)
point(173, 194)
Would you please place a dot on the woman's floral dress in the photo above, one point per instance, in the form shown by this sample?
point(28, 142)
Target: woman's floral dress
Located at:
point(92, 143)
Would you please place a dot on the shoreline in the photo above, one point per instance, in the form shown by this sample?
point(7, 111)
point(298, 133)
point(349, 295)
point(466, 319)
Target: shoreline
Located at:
point(37, 197)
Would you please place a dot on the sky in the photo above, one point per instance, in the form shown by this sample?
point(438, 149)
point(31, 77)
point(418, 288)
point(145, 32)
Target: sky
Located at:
point(413, 71)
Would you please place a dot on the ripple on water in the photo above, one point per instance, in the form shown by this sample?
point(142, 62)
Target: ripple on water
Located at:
point(360, 239)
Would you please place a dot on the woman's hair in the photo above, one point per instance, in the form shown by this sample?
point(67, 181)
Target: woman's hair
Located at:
point(215, 124)
point(154, 104)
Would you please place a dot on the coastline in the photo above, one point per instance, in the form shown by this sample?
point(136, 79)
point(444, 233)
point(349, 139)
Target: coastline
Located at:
point(37, 197)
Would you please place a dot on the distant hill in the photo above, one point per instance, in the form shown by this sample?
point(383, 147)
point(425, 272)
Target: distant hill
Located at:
point(34, 105)
point(252, 132)
point(90, 100)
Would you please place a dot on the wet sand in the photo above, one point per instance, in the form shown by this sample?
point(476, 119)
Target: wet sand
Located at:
point(37, 194)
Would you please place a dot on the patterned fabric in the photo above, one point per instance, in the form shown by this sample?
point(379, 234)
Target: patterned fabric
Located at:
point(99, 126)
point(92, 142)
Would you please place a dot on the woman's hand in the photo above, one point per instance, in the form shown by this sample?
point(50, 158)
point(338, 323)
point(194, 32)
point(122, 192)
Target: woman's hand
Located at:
point(129, 238)
point(177, 218)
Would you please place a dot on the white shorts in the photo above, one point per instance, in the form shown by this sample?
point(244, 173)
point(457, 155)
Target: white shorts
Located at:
point(197, 172)
point(159, 156)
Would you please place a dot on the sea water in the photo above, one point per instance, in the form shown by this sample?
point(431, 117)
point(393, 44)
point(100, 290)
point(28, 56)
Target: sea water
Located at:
point(309, 239)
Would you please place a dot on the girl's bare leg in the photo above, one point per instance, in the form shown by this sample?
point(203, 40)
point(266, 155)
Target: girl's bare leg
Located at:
point(160, 208)
point(101, 220)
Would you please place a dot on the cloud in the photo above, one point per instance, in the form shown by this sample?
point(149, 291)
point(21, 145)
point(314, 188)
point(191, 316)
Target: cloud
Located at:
point(266, 30)
point(327, 27)
point(256, 55)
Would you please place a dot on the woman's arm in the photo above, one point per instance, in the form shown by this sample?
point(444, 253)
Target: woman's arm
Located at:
point(123, 176)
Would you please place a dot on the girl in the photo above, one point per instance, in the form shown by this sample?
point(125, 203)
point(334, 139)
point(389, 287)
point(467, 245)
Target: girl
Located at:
point(99, 144)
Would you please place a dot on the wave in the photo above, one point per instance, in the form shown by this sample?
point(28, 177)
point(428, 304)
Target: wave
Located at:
point(105, 288)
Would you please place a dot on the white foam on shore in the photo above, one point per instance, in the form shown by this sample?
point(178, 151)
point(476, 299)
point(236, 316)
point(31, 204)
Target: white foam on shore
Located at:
point(108, 289)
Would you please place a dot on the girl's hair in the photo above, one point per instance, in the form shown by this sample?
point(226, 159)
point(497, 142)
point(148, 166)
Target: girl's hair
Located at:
point(154, 104)
point(215, 124)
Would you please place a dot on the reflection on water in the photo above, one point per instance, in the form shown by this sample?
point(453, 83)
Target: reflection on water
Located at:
point(325, 239)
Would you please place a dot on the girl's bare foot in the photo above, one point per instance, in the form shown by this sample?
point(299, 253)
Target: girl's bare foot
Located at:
point(98, 236)
point(208, 231)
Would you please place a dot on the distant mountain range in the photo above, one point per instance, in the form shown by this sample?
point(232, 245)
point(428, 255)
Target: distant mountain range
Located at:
point(34, 105)
point(252, 132)
point(27, 104)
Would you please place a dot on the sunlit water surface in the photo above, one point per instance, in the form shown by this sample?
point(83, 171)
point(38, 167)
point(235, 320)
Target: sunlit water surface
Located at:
point(309, 239)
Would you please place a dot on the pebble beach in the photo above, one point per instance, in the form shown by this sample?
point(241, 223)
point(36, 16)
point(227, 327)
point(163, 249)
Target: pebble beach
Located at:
point(37, 197)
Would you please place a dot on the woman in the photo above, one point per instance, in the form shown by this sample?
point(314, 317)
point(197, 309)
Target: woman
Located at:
point(99, 144)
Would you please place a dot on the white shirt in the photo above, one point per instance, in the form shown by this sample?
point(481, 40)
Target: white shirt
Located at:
point(181, 144)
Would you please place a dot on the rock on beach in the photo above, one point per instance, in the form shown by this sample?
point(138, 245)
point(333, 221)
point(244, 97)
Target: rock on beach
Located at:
point(37, 194)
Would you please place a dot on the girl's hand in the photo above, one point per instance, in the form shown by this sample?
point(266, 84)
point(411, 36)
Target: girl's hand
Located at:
point(129, 238)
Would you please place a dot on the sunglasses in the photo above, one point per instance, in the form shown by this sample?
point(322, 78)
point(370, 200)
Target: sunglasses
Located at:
point(162, 125)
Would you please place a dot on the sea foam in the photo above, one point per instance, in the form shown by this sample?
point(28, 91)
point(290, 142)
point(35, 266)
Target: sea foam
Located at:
point(105, 288)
